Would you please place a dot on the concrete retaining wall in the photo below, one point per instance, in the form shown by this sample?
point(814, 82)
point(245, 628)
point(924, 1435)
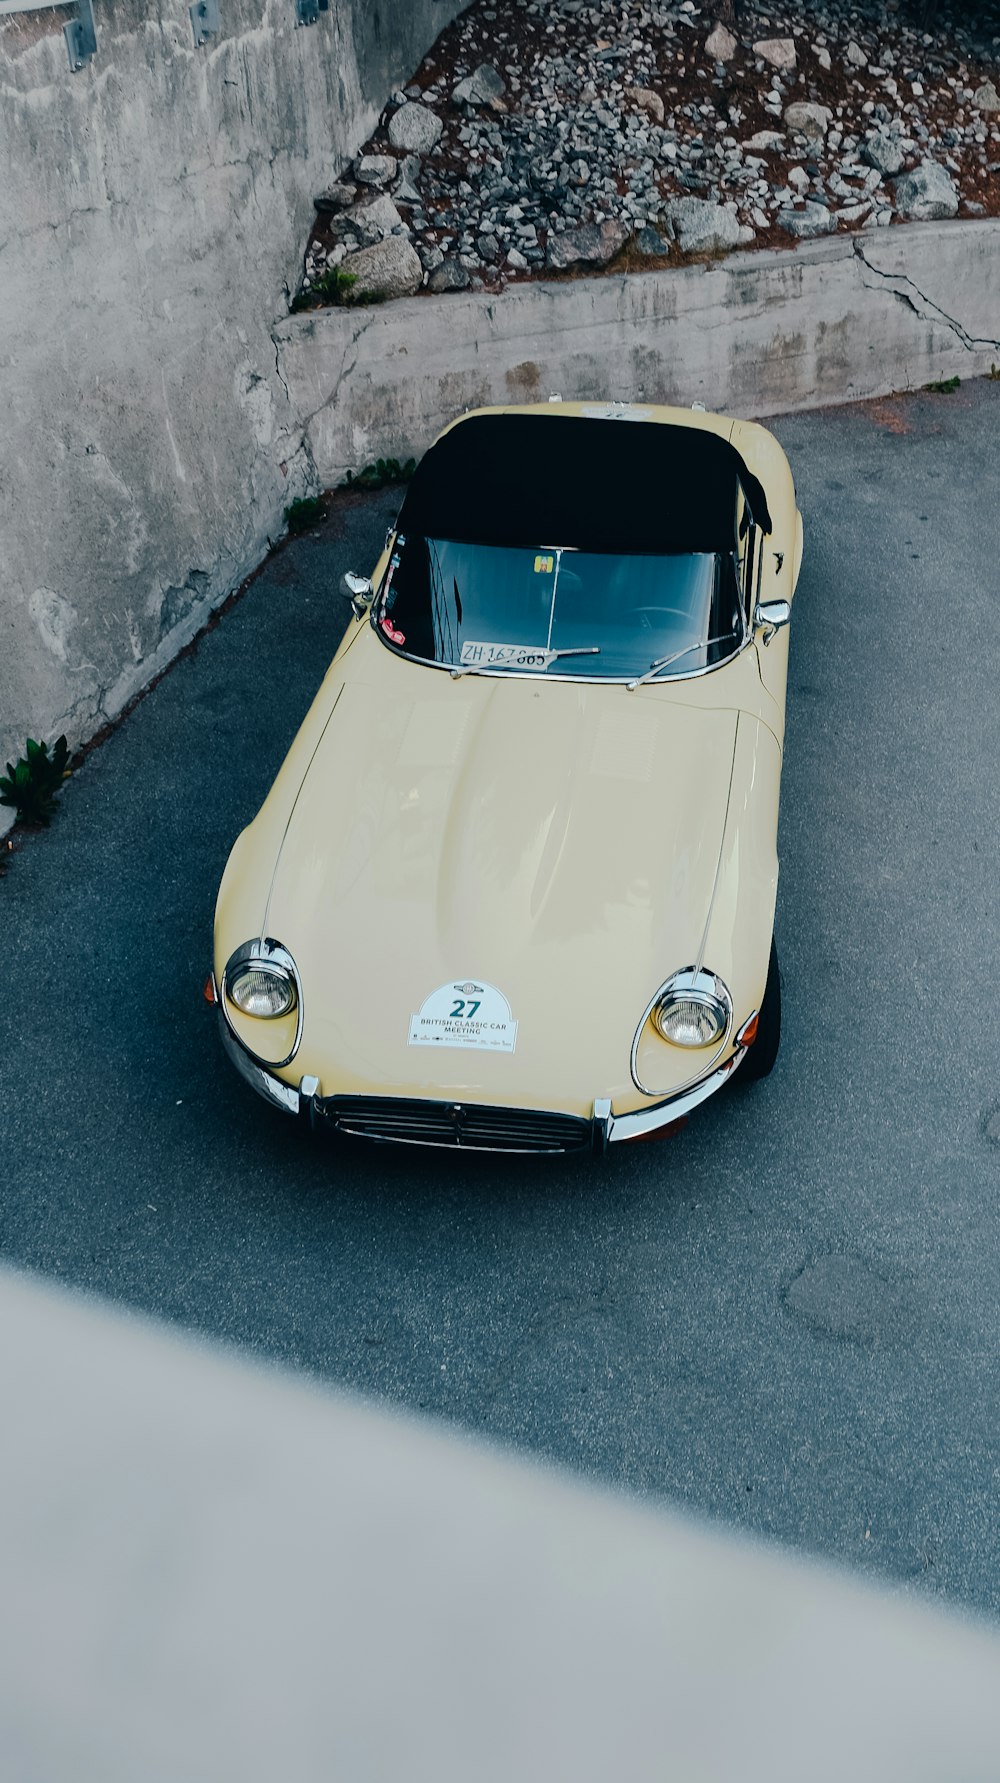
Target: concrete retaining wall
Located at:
point(756, 334)
point(153, 210)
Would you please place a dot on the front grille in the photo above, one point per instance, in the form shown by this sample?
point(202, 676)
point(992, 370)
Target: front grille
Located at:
point(465, 1124)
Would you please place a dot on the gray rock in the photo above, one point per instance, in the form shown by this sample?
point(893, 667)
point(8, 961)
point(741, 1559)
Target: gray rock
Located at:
point(702, 227)
point(883, 150)
point(389, 269)
point(926, 194)
point(650, 241)
point(487, 247)
point(406, 190)
point(855, 56)
point(647, 101)
point(375, 170)
point(479, 88)
point(430, 255)
point(451, 275)
point(415, 129)
point(766, 139)
point(779, 52)
point(721, 46)
point(986, 97)
point(370, 222)
point(336, 197)
point(593, 245)
point(809, 120)
point(516, 260)
point(813, 220)
point(853, 213)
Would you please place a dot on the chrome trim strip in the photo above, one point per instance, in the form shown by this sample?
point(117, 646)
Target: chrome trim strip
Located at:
point(268, 952)
point(647, 1120)
point(447, 668)
point(701, 980)
point(279, 1094)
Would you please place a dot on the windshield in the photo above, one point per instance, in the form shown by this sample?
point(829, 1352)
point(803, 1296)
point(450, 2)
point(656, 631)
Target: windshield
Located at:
point(490, 608)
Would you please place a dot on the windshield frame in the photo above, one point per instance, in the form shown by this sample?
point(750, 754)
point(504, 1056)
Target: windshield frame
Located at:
point(745, 554)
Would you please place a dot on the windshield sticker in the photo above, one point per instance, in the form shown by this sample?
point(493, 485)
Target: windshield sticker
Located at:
point(544, 566)
point(507, 656)
point(466, 1014)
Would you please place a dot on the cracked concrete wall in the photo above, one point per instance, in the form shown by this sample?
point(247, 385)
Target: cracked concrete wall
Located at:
point(153, 211)
point(756, 334)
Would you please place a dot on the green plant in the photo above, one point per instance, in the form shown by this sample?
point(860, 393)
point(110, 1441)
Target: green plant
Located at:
point(380, 474)
point(31, 786)
point(303, 513)
point(943, 386)
point(332, 286)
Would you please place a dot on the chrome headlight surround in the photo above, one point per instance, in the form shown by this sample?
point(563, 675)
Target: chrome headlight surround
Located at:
point(701, 991)
point(269, 957)
point(690, 980)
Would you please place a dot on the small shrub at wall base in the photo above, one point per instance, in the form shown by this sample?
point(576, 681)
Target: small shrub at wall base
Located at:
point(304, 513)
point(30, 786)
point(380, 474)
point(943, 386)
point(333, 286)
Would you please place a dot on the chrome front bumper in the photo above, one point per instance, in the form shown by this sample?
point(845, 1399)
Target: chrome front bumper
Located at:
point(271, 1088)
point(606, 1127)
point(643, 1121)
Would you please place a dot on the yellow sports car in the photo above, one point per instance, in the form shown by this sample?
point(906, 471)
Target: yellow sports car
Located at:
point(513, 888)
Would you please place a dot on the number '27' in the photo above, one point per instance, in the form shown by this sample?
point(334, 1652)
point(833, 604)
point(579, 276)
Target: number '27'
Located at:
point(465, 1009)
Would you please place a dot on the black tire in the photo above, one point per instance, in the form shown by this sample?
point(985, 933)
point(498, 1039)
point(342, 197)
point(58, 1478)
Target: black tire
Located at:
point(761, 1056)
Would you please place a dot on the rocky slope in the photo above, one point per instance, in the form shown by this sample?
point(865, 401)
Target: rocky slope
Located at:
point(553, 136)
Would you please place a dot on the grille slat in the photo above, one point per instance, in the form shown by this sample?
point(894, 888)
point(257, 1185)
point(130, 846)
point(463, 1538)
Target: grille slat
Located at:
point(472, 1126)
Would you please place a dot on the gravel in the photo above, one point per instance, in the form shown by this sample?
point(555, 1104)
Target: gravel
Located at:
point(537, 132)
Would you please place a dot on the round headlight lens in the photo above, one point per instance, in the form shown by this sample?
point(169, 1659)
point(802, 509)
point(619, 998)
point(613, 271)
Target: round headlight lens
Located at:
point(263, 990)
point(690, 1019)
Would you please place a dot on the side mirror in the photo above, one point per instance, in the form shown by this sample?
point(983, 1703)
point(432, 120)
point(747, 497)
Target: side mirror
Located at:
point(770, 616)
point(359, 591)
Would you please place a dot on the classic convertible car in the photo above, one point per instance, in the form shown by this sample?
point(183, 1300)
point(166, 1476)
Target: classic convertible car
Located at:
point(513, 888)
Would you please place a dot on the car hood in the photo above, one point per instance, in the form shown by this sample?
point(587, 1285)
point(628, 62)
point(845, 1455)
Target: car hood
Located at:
point(557, 844)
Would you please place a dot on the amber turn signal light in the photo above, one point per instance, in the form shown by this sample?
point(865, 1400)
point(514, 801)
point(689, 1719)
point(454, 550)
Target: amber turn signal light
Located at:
point(748, 1033)
point(208, 989)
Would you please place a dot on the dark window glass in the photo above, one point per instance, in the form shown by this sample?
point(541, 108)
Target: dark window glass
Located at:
point(559, 611)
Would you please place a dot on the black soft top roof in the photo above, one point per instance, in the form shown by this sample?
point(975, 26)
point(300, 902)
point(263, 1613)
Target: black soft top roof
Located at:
point(598, 484)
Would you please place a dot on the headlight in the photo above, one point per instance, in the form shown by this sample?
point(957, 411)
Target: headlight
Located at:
point(693, 1009)
point(258, 988)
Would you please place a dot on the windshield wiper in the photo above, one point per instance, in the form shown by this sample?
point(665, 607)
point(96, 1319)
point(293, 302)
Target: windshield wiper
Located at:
point(489, 668)
point(665, 661)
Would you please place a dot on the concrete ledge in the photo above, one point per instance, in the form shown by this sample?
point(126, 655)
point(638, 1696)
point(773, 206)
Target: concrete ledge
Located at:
point(219, 1572)
point(759, 333)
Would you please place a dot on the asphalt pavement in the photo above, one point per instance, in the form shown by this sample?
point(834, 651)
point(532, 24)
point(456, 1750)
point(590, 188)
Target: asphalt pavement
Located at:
point(785, 1317)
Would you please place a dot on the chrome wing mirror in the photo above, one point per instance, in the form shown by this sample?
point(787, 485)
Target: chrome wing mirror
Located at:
point(359, 592)
point(770, 616)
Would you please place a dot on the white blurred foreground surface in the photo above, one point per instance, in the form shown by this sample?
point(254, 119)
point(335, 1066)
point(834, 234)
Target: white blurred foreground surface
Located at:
point(209, 1571)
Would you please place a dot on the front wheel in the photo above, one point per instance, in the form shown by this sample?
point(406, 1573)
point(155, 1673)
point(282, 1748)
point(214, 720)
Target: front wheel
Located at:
point(760, 1059)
